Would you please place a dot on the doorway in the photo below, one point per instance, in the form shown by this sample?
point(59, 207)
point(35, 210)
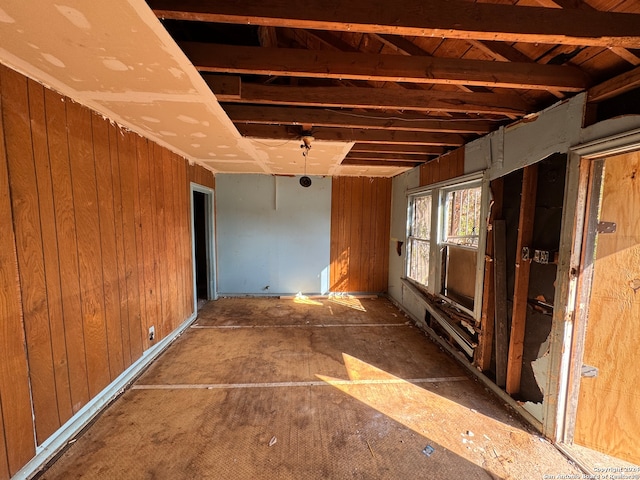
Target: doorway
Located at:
point(602, 404)
point(203, 230)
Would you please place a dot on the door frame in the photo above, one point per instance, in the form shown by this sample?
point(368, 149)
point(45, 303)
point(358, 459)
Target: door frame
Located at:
point(209, 205)
point(580, 272)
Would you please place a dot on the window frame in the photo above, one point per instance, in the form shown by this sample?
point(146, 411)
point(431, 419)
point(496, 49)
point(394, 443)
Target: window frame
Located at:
point(437, 242)
point(411, 237)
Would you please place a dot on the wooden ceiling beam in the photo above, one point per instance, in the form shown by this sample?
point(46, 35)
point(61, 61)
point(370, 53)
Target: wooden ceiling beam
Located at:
point(407, 47)
point(267, 36)
point(501, 51)
point(378, 163)
point(397, 149)
point(389, 157)
point(615, 86)
point(621, 52)
point(295, 62)
point(322, 117)
point(506, 53)
point(383, 99)
point(436, 18)
point(400, 44)
point(354, 135)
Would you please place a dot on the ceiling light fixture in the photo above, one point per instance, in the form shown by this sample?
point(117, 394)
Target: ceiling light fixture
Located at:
point(307, 138)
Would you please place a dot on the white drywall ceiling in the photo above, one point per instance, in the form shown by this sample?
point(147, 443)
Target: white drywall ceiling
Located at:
point(116, 58)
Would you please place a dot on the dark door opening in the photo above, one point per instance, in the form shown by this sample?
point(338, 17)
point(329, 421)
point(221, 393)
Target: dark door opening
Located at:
point(200, 240)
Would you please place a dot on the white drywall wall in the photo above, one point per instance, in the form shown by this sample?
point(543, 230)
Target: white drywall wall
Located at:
point(273, 235)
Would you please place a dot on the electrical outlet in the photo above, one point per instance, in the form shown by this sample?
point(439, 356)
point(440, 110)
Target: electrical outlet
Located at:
point(152, 333)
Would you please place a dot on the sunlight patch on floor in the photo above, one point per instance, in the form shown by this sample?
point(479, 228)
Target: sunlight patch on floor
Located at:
point(443, 422)
point(304, 300)
point(347, 301)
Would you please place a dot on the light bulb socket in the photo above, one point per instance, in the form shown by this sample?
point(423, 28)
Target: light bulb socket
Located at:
point(305, 181)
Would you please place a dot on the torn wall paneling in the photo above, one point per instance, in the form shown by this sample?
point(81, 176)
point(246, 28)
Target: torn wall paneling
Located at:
point(521, 288)
point(87, 269)
point(360, 224)
point(487, 322)
point(500, 301)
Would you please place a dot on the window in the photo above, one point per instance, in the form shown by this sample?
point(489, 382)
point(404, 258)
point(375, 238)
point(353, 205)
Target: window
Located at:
point(462, 224)
point(460, 235)
point(419, 238)
point(443, 238)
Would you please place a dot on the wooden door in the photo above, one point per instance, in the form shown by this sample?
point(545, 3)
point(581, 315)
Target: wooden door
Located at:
point(608, 411)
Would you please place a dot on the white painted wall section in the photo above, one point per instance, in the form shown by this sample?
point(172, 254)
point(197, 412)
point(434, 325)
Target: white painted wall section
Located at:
point(273, 235)
point(400, 185)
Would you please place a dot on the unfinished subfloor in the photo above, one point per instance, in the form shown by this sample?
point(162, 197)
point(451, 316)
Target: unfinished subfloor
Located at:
point(307, 389)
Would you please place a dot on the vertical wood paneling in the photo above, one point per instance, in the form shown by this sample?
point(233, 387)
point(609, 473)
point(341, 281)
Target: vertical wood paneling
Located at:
point(185, 220)
point(355, 227)
point(170, 237)
point(160, 241)
point(85, 198)
point(152, 223)
point(334, 267)
point(382, 231)
point(128, 186)
point(146, 253)
point(367, 238)
point(140, 152)
point(111, 286)
point(67, 248)
point(26, 214)
point(4, 461)
point(50, 249)
point(447, 166)
point(360, 223)
point(177, 209)
point(200, 175)
point(95, 246)
point(125, 334)
point(16, 434)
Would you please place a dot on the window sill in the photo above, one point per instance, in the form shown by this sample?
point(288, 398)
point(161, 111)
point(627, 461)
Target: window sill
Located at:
point(455, 322)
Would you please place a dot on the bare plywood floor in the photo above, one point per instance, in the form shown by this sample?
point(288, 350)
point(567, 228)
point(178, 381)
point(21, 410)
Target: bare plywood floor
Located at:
point(271, 388)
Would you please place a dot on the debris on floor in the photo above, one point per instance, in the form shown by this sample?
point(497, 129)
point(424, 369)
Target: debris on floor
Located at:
point(428, 450)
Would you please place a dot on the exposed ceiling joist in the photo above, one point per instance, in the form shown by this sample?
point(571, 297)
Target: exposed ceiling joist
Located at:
point(388, 157)
point(323, 117)
point(615, 86)
point(354, 135)
point(402, 149)
point(401, 45)
point(622, 52)
point(436, 18)
point(292, 62)
point(378, 163)
point(383, 99)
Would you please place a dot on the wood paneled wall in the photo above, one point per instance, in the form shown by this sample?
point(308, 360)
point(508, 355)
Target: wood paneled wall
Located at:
point(449, 165)
point(360, 226)
point(95, 248)
point(199, 174)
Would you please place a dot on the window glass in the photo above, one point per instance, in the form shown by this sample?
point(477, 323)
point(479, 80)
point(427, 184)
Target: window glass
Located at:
point(462, 224)
point(419, 239)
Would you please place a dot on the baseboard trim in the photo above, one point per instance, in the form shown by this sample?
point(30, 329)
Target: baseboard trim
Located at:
point(61, 437)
